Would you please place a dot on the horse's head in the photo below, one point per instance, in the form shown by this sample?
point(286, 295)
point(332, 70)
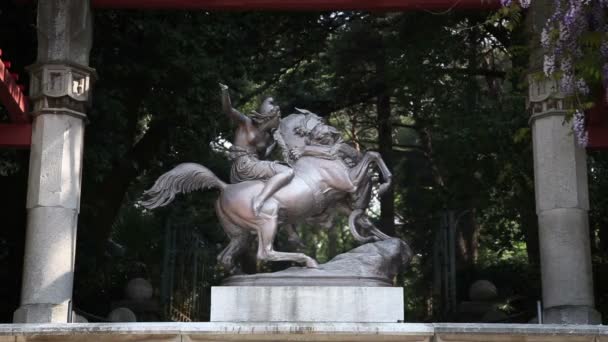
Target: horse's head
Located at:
point(323, 134)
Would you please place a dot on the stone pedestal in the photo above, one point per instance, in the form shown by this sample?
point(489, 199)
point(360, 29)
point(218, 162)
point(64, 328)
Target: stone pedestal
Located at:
point(306, 304)
point(354, 287)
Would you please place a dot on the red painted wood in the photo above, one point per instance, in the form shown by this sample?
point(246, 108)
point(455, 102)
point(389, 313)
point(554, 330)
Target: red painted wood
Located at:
point(11, 96)
point(15, 135)
point(598, 138)
point(597, 125)
point(300, 5)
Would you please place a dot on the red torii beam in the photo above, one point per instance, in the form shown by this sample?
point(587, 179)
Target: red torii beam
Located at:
point(16, 135)
point(11, 94)
point(19, 133)
point(597, 125)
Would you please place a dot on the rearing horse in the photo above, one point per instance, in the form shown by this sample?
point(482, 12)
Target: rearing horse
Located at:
point(317, 184)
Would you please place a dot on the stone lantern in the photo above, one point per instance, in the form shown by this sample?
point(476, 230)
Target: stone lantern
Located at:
point(61, 85)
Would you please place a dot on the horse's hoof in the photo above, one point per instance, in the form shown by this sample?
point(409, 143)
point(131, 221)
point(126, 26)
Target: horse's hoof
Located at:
point(383, 188)
point(312, 264)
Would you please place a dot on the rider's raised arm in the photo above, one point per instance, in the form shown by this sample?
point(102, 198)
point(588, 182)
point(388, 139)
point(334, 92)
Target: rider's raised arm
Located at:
point(232, 113)
point(267, 125)
point(269, 149)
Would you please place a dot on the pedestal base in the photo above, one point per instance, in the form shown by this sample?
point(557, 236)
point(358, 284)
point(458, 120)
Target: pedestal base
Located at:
point(41, 313)
point(306, 304)
point(572, 314)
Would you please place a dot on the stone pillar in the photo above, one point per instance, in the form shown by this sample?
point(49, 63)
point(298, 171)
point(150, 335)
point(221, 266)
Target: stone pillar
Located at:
point(59, 90)
point(562, 202)
point(562, 197)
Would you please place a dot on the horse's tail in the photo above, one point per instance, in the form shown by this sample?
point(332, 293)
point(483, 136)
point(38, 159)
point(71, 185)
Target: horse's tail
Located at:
point(183, 178)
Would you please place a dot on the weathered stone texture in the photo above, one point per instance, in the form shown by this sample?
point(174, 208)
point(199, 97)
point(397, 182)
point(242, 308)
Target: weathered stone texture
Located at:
point(64, 31)
point(53, 199)
point(565, 258)
point(55, 162)
point(222, 331)
point(560, 166)
point(306, 304)
point(49, 256)
point(41, 313)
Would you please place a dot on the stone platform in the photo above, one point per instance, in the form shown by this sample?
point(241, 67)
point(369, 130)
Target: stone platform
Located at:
point(306, 304)
point(192, 332)
point(355, 286)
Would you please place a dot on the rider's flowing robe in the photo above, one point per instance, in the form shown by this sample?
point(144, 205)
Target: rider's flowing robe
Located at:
point(247, 166)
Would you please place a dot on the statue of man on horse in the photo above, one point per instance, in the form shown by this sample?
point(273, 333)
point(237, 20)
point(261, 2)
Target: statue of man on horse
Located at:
point(319, 176)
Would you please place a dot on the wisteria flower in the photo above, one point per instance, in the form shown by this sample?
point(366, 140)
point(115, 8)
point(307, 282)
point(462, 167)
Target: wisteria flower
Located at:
point(578, 126)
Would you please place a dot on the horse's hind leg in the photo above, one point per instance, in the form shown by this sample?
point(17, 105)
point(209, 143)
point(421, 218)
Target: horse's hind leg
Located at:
point(239, 241)
point(237, 246)
point(267, 229)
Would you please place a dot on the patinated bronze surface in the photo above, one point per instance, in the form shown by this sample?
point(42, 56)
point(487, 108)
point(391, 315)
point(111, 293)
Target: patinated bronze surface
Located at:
point(319, 176)
point(372, 264)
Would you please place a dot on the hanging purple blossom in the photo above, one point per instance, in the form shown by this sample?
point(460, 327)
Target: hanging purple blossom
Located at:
point(582, 87)
point(544, 39)
point(566, 84)
point(578, 126)
point(561, 39)
point(564, 39)
point(549, 65)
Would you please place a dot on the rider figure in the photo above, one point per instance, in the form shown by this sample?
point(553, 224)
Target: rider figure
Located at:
point(252, 139)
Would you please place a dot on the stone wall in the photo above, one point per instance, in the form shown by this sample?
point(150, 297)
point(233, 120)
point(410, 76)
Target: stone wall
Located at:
point(222, 331)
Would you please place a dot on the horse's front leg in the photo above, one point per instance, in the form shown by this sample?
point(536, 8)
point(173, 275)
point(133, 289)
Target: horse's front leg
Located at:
point(386, 173)
point(366, 224)
point(359, 172)
point(267, 230)
point(352, 225)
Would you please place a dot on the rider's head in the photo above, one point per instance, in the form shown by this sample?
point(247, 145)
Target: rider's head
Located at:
point(268, 111)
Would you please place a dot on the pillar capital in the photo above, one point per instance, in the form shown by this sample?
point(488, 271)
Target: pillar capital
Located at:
point(545, 97)
point(60, 84)
point(61, 78)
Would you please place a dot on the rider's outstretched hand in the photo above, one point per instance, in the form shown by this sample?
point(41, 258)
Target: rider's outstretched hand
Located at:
point(295, 153)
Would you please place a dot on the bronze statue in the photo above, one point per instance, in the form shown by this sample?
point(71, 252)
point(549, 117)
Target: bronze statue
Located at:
point(326, 175)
